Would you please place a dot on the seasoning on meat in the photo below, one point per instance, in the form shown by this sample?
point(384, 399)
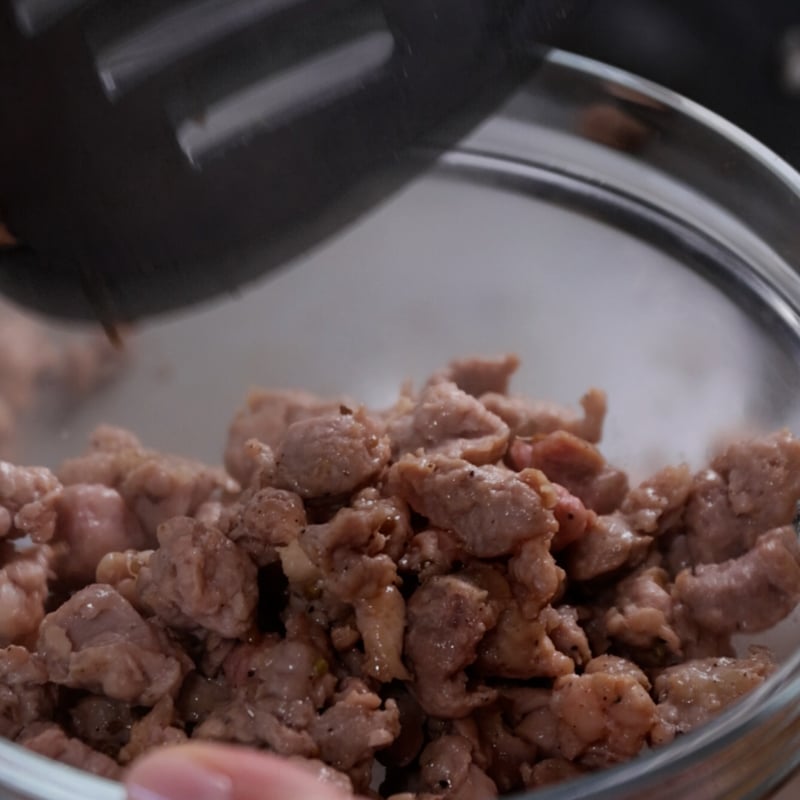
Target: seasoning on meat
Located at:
point(460, 589)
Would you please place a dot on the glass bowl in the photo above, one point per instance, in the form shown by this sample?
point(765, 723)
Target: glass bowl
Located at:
point(610, 232)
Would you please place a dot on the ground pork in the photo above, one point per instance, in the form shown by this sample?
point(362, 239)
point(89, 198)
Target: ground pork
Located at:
point(98, 642)
point(198, 577)
point(460, 589)
point(447, 420)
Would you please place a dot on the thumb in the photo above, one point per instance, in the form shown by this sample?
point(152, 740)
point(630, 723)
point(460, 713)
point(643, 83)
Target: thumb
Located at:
point(221, 772)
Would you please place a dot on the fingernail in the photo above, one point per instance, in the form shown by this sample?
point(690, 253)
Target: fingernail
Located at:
point(176, 779)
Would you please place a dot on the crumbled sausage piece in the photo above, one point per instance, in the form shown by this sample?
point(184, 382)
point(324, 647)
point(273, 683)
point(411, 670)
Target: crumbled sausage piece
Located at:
point(199, 578)
point(270, 518)
point(642, 616)
point(355, 726)
point(535, 577)
point(281, 685)
point(381, 620)
point(154, 729)
point(93, 521)
point(24, 576)
point(98, 642)
point(447, 618)
point(768, 575)
point(120, 571)
point(603, 718)
point(751, 488)
point(432, 552)
point(609, 546)
point(478, 376)
point(447, 769)
point(330, 455)
point(25, 697)
point(657, 504)
point(449, 421)
point(349, 552)
point(265, 416)
point(505, 752)
point(691, 693)
point(517, 647)
point(155, 486)
point(492, 510)
point(28, 498)
point(573, 518)
point(576, 465)
point(563, 628)
point(615, 665)
point(530, 418)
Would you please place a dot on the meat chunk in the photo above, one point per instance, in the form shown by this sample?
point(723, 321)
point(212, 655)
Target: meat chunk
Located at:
point(154, 729)
point(330, 455)
point(535, 577)
point(750, 593)
point(503, 751)
point(281, 684)
point(93, 521)
point(25, 697)
point(478, 376)
point(563, 628)
point(528, 418)
point(752, 487)
point(121, 570)
point(615, 665)
point(573, 518)
point(517, 647)
point(642, 616)
point(449, 421)
point(199, 578)
point(54, 743)
point(602, 718)
point(447, 618)
point(381, 621)
point(432, 552)
point(155, 486)
point(657, 505)
point(576, 465)
point(350, 553)
point(691, 693)
point(268, 519)
point(490, 509)
point(354, 551)
point(447, 769)
point(265, 416)
point(609, 545)
point(24, 578)
point(98, 642)
point(28, 497)
point(354, 727)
